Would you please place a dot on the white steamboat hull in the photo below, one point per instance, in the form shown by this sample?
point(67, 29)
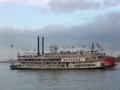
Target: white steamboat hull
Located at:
point(59, 65)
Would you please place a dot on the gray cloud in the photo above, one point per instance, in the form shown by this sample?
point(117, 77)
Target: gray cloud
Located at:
point(111, 2)
point(66, 5)
point(104, 29)
point(72, 5)
point(78, 5)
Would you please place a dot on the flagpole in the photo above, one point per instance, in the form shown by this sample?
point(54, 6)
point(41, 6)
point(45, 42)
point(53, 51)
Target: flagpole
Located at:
point(12, 54)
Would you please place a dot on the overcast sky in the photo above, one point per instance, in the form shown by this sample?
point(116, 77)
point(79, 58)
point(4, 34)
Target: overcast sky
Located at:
point(62, 22)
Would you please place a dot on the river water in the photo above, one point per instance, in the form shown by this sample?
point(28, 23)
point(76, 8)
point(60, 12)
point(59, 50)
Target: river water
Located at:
point(59, 79)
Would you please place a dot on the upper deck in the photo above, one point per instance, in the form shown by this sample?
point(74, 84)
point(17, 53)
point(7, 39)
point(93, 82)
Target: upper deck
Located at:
point(60, 55)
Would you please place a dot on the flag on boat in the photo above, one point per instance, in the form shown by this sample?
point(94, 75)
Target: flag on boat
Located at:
point(99, 46)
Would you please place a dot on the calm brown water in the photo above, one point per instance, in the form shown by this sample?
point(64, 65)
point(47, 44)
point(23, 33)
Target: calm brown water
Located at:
point(59, 79)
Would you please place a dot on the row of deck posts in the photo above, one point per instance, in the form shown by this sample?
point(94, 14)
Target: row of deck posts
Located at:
point(38, 46)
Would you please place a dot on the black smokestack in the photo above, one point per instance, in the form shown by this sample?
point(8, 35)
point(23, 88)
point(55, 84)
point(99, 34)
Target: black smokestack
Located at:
point(42, 45)
point(38, 51)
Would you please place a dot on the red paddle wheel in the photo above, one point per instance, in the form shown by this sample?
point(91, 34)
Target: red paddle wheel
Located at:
point(109, 62)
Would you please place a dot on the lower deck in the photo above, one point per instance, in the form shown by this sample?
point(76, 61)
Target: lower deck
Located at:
point(59, 65)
